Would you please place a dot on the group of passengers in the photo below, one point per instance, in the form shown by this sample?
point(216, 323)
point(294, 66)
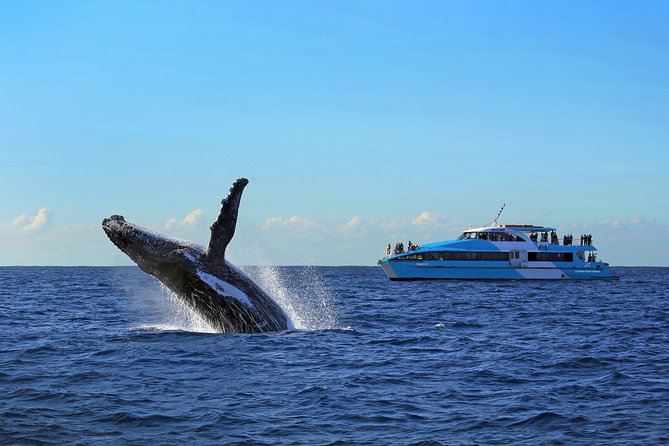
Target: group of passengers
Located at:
point(586, 240)
point(567, 240)
point(544, 237)
point(399, 248)
point(592, 257)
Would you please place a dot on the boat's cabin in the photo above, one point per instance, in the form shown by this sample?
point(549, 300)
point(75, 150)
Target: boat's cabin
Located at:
point(532, 237)
point(504, 233)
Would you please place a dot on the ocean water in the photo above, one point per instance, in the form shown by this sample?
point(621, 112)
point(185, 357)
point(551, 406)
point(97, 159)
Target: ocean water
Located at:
point(106, 356)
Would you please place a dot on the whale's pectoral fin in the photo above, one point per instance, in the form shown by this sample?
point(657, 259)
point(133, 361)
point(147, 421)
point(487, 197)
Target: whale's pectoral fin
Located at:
point(223, 229)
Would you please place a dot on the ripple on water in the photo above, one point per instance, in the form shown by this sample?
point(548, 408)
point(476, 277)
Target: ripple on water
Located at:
point(104, 356)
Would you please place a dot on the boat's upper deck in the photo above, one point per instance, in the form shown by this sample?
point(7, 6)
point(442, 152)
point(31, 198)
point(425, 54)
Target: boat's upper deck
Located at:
point(507, 238)
point(512, 228)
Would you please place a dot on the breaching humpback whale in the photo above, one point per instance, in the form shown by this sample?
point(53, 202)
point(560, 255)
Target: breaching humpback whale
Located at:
point(225, 297)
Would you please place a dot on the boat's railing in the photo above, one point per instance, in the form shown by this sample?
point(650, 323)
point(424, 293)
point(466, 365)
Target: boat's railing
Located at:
point(559, 243)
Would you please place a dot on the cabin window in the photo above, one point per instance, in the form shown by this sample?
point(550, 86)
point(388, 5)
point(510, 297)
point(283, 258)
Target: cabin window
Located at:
point(504, 237)
point(467, 235)
point(550, 256)
point(411, 257)
point(458, 256)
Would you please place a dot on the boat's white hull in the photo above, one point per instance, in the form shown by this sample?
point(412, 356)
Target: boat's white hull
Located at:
point(403, 270)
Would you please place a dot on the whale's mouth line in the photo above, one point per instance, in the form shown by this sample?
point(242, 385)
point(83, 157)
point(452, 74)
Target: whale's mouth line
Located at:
point(113, 223)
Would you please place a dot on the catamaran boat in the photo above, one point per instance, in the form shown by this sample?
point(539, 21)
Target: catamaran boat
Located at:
point(500, 252)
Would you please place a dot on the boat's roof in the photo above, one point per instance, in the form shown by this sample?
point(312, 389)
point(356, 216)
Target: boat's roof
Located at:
point(518, 228)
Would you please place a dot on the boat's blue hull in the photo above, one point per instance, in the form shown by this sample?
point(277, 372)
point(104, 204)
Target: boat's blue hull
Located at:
point(435, 270)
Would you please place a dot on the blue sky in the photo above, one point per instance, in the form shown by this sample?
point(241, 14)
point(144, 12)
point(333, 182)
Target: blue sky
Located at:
point(357, 123)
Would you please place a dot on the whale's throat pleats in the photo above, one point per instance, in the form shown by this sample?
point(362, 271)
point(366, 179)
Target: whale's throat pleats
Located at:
point(223, 229)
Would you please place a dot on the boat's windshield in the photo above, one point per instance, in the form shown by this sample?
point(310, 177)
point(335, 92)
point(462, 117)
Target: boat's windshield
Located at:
point(467, 235)
point(492, 236)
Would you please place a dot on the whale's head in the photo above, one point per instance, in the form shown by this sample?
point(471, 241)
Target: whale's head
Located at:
point(148, 249)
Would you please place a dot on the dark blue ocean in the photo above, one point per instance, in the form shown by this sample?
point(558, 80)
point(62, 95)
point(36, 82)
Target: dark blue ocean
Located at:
point(105, 356)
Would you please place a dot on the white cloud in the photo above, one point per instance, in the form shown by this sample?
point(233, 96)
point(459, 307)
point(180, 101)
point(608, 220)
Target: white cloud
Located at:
point(351, 225)
point(426, 218)
point(30, 224)
point(18, 221)
point(640, 220)
point(296, 222)
point(614, 224)
point(424, 222)
point(430, 224)
point(359, 226)
point(188, 221)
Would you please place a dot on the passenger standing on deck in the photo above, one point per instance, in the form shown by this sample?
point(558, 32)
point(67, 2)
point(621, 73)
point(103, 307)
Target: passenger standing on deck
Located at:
point(388, 251)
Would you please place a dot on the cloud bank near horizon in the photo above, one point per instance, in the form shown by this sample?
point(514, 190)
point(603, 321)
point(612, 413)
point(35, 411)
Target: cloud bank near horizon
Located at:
point(299, 240)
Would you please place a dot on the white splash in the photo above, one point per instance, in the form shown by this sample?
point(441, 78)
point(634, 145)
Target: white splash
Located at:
point(307, 300)
point(179, 316)
point(161, 327)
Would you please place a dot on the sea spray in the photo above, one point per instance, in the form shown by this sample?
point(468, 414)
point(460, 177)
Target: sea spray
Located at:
point(307, 301)
point(301, 291)
point(179, 316)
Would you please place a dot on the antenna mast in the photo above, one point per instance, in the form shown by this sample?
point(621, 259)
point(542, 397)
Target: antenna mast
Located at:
point(494, 222)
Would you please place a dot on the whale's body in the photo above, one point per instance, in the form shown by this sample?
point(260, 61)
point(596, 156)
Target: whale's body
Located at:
point(226, 298)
